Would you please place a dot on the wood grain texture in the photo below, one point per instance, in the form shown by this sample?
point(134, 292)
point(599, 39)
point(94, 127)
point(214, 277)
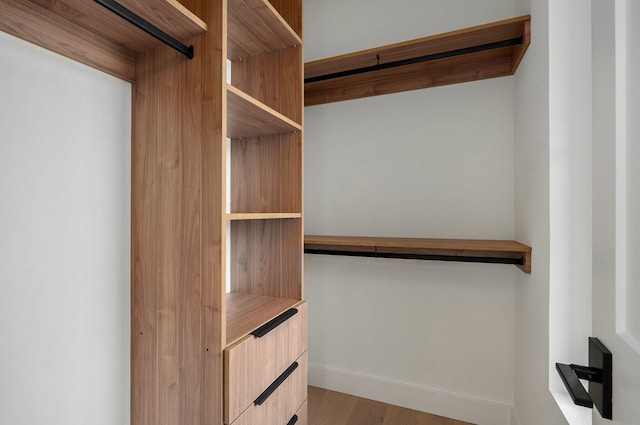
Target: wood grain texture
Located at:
point(288, 399)
point(46, 29)
point(332, 408)
point(179, 157)
point(246, 312)
point(256, 27)
point(481, 248)
point(144, 223)
point(266, 174)
point(177, 335)
point(489, 64)
point(446, 244)
point(283, 70)
point(518, 54)
point(252, 364)
point(247, 117)
point(168, 15)
point(482, 34)
point(90, 34)
point(303, 414)
point(467, 67)
point(266, 257)
point(292, 12)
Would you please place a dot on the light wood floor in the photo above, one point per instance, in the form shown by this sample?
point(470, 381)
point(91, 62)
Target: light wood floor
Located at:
point(332, 408)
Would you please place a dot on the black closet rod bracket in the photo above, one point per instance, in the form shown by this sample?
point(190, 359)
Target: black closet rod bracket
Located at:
point(146, 26)
point(411, 61)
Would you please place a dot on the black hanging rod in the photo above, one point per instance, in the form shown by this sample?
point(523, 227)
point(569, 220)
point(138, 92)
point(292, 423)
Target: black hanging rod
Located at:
point(419, 59)
point(412, 256)
point(146, 26)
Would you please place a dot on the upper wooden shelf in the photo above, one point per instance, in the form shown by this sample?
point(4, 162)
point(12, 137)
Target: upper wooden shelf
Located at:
point(466, 250)
point(248, 117)
point(168, 15)
point(485, 51)
point(246, 312)
point(255, 27)
point(87, 32)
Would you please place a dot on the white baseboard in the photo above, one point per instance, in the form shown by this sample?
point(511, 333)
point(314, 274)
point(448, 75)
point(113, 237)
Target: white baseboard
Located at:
point(437, 402)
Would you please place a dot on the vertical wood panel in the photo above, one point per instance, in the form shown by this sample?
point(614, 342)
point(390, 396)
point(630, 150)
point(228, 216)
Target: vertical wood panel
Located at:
point(180, 104)
point(169, 242)
point(212, 83)
point(144, 223)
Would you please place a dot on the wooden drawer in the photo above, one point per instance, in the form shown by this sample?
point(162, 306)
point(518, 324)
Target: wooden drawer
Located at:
point(300, 416)
point(254, 362)
point(284, 406)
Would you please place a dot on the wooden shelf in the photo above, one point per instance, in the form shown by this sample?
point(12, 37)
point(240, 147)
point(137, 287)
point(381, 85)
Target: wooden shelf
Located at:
point(246, 312)
point(466, 250)
point(262, 216)
point(247, 117)
point(90, 34)
point(255, 27)
point(168, 15)
point(485, 51)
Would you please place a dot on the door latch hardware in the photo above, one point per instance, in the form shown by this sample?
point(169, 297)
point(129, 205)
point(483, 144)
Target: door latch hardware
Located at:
point(599, 375)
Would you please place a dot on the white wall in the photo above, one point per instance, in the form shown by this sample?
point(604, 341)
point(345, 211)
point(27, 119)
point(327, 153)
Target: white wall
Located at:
point(430, 163)
point(64, 240)
point(334, 27)
point(553, 201)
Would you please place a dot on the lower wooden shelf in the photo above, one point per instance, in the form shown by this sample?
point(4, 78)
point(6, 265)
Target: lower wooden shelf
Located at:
point(466, 250)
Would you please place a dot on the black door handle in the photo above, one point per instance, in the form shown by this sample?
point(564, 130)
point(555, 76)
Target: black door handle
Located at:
point(598, 373)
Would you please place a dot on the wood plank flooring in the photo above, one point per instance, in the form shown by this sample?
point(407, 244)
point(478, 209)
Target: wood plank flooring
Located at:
point(333, 408)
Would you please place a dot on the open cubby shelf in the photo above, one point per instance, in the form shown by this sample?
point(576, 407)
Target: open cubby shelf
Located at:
point(256, 27)
point(465, 250)
point(248, 117)
point(246, 312)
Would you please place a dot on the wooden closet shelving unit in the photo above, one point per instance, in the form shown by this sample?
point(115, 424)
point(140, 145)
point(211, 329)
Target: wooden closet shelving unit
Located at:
point(476, 53)
point(216, 197)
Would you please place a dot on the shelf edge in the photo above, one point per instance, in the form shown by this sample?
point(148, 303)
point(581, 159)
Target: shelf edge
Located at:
point(462, 250)
point(262, 216)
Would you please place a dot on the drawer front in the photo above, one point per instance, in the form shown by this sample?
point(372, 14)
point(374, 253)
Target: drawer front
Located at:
point(300, 417)
point(284, 406)
point(253, 363)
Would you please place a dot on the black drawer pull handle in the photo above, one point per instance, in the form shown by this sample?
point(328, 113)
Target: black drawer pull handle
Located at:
point(293, 420)
point(274, 386)
point(274, 323)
